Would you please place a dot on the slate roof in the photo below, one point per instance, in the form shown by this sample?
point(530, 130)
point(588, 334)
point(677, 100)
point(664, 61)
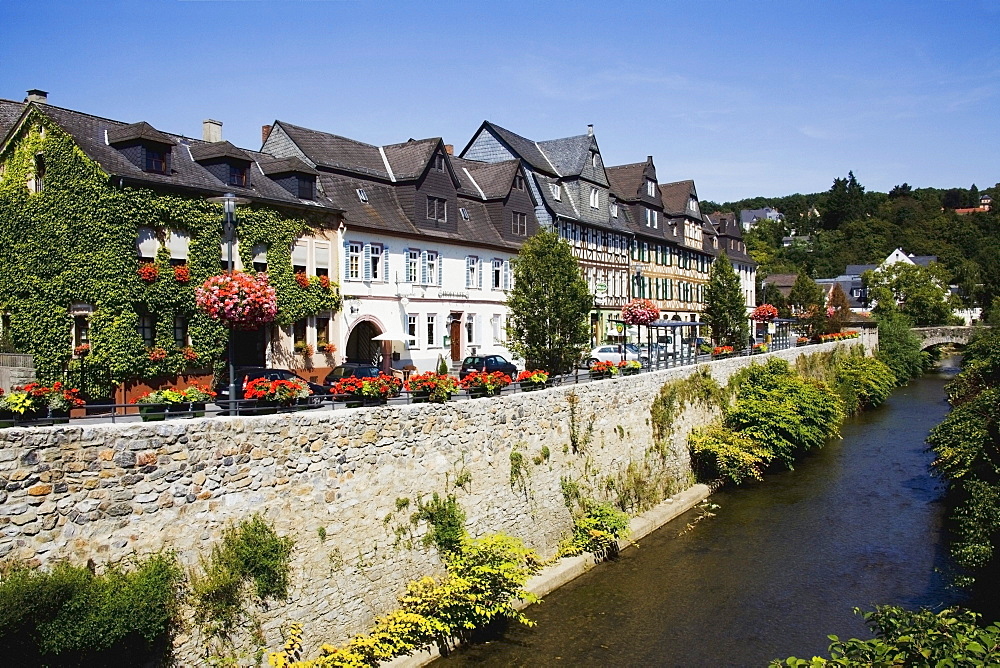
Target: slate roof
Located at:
point(219, 149)
point(568, 155)
point(336, 152)
point(783, 282)
point(847, 284)
point(675, 197)
point(858, 269)
point(626, 180)
point(140, 130)
point(90, 133)
point(10, 112)
point(409, 159)
point(288, 165)
point(527, 149)
point(493, 178)
point(923, 260)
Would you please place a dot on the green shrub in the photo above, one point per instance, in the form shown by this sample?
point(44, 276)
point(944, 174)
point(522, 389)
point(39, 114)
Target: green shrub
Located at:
point(864, 383)
point(68, 616)
point(598, 530)
point(899, 347)
point(717, 452)
point(447, 522)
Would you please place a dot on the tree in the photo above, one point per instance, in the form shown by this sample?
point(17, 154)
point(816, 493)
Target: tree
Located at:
point(841, 308)
point(725, 311)
point(549, 305)
point(920, 292)
point(898, 346)
point(808, 302)
point(771, 294)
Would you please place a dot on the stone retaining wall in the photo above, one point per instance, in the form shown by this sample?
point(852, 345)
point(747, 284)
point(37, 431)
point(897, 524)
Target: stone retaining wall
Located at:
point(104, 492)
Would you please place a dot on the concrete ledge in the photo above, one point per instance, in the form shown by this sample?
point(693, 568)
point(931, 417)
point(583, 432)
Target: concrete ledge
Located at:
point(567, 570)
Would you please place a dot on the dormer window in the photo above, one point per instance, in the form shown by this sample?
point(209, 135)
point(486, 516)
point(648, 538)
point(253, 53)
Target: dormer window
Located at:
point(144, 146)
point(156, 159)
point(594, 160)
point(224, 161)
point(651, 187)
point(439, 162)
point(518, 182)
point(292, 174)
point(614, 209)
point(238, 175)
point(464, 213)
point(362, 195)
point(692, 205)
point(556, 191)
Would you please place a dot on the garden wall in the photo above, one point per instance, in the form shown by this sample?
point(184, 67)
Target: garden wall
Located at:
point(337, 482)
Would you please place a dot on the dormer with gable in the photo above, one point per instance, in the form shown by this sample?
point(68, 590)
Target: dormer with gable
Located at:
point(293, 175)
point(144, 146)
point(426, 182)
point(503, 188)
point(635, 186)
point(224, 161)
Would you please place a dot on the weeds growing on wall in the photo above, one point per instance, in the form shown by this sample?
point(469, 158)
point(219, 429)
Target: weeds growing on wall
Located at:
point(446, 519)
point(68, 616)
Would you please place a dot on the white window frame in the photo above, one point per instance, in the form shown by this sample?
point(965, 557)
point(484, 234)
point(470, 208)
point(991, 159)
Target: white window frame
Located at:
point(651, 187)
point(595, 198)
point(412, 265)
point(519, 224)
point(613, 207)
point(355, 253)
point(375, 263)
point(556, 191)
point(472, 271)
point(496, 277)
point(431, 330)
point(412, 329)
point(433, 264)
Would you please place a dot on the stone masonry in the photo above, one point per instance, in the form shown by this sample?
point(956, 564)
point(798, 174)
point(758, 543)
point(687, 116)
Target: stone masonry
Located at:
point(336, 481)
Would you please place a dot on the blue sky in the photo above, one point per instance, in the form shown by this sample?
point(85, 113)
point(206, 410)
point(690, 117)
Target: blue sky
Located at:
point(747, 98)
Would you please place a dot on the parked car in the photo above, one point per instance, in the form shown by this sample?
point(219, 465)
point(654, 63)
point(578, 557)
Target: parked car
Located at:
point(612, 352)
point(488, 363)
point(245, 374)
point(350, 370)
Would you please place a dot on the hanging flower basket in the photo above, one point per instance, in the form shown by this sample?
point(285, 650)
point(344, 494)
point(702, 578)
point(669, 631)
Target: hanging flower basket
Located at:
point(764, 313)
point(182, 274)
point(239, 300)
point(640, 312)
point(148, 272)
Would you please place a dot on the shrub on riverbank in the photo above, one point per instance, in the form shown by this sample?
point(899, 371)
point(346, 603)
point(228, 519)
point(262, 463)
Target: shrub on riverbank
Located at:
point(864, 383)
point(899, 347)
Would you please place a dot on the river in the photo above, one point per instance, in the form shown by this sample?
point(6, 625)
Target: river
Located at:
point(778, 567)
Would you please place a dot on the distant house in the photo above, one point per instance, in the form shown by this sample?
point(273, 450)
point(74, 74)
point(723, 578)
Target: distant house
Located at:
point(985, 204)
point(750, 217)
point(783, 282)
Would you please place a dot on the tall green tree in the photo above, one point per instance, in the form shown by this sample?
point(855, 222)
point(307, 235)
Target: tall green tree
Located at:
point(549, 305)
point(809, 304)
point(725, 311)
point(920, 292)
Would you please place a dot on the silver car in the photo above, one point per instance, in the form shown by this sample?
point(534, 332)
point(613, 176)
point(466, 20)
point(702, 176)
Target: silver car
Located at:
point(612, 352)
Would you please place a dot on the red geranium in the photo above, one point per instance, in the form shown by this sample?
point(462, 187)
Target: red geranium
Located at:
point(604, 367)
point(190, 354)
point(491, 382)
point(240, 300)
point(324, 282)
point(182, 273)
point(302, 279)
point(281, 391)
point(157, 355)
point(764, 313)
point(148, 272)
point(382, 386)
point(640, 312)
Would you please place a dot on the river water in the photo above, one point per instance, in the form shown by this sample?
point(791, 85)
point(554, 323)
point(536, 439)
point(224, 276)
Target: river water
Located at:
point(779, 567)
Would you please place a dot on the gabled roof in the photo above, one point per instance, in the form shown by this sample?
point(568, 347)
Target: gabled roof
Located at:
point(491, 180)
point(10, 112)
point(216, 150)
point(271, 166)
point(409, 159)
point(336, 152)
point(675, 197)
point(858, 269)
point(568, 155)
point(527, 149)
point(141, 130)
point(381, 212)
point(626, 180)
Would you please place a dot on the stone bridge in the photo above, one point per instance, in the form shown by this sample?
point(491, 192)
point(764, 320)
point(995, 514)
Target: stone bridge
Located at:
point(933, 336)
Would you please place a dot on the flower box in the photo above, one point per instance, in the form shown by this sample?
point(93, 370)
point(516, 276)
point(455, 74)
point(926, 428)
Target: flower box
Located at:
point(485, 384)
point(153, 412)
point(532, 381)
point(528, 386)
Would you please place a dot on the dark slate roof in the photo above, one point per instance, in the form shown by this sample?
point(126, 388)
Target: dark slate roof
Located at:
point(923, 260)
point(626, 180)
point(140, 130)
point(337, 152)
point(409, 159)
point(478, 229)
point(90, 133)
point(219, 149)
point(494, 178)
point(288, 165)
point(847, 284)
point(381, 212)
point(858, 269)
point(10, 112)
point(726, 224)
point(561, 207)
point(675, 196)
point(568, 155)
point(528, 150)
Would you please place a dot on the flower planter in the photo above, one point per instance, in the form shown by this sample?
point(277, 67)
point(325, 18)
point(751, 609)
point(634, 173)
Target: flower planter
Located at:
point(153, 412)
point(420, 397)
point(599, 375)
point(528, 386)
point(6, 420)
point(628, 372)
point(262, 408)
point(58, 416)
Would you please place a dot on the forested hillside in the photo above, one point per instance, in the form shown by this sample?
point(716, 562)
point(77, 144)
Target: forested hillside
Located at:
point(848, 225)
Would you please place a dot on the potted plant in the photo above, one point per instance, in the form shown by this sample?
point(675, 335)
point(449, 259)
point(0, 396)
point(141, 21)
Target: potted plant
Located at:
point(485, 384)
point(15, 405)
point(239, 300)
point(270, 394)
point(368, 391)
point(60, 400)
point(148, 272)
point(759, 348)
point(304, 349)
point(533, 380)
point(152, 406)
point(196, 396)
point(599, 370)
point(629, 367)
point(721, 352)
point(431, 387)
point(802, 341)
point(182, 274)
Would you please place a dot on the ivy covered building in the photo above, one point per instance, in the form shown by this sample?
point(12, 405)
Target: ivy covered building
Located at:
point(105, 231)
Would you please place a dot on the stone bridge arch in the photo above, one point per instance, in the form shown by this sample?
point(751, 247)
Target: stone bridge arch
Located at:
point(935, 336)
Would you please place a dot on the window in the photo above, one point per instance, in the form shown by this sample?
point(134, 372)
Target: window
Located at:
point(472, 272)
point(411, 331)
point(375, 267)
point(652, 218)
point(497, 274)
point(470, 328)
point(81, 330)
point(178, 242)
point(259, 252)
point(594, 160)
point(324, 325)
point(300, 255)
point(432, 268)
point(439, 162)
point(238, 175)
point(156, 160)
point(651, 187)
point(464, 213)
point(431, 330)
point(299, 331)
point(518, 182)
point(519, 224)
point(595, 198)
point(180, 331)
point(147, 329)
point(437, 209)
point(37, 183)
point(556, 191)
point(306, 187)
point(354, 261)
point(692, 205)
point(147, 244)
point(614, 209)
point(321, 255)
point(362, 195)
point(412, 264)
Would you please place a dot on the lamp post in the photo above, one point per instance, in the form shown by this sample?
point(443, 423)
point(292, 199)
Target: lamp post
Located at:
point(229, 202)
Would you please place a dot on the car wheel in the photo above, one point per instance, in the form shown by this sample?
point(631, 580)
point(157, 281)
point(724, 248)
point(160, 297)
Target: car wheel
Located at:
point(591, 362)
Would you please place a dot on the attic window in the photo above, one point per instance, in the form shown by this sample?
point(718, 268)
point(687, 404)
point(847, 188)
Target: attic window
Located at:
point(556, 191)
point(464, 212)
point(614, 209)
point(362, 195)
point(306, 187)
point(37, 183)
point(593, 159)
point(238, 175)
point(439, 162)
point(519, 182)
point(651, 187)
point(156, 160)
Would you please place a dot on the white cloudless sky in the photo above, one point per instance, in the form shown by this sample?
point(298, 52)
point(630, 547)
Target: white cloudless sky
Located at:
point(747, 98)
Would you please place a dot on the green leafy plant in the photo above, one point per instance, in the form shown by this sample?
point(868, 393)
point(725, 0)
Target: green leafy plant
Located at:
point(598, 530)
point(446, 519)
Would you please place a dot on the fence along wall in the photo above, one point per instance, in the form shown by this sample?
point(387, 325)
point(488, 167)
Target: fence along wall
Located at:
point(103, 492)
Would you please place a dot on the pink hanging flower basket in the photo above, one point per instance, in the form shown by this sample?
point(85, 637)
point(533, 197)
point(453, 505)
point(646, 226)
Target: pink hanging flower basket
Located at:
point(640, 312)
point(238, 300)
point(764, 313)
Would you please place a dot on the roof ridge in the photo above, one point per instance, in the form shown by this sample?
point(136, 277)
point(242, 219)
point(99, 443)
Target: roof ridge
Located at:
point(329, 134)
point(630, 164)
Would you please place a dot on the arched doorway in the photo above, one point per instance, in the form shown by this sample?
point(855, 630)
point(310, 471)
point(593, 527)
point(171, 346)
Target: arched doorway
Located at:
point(361, 347)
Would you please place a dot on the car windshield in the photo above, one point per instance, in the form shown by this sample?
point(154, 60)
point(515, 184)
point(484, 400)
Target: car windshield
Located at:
point(339, 372)
point(632, 348)
point(473, 361)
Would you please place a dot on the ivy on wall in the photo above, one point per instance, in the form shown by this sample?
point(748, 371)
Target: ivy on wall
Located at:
point(75, 243)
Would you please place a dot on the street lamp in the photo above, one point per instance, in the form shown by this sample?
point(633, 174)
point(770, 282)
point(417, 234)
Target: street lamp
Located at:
point(229, 202)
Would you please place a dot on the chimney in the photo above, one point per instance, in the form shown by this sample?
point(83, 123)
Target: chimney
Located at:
point(449, 149)
point(211, 130)
point(39, 96)
point(590, 129)
point(265, 132)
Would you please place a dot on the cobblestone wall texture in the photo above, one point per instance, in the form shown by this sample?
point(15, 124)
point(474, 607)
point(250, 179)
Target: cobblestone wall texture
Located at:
point(103, 492)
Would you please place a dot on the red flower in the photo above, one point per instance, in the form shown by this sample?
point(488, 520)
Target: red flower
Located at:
point(324, 282)
point(240, 300)
point(157, 355)
point(640, 312)
point(764, 313)
point(302, 279)
point(190, 354)
point(182, 273)
point(148, 272)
